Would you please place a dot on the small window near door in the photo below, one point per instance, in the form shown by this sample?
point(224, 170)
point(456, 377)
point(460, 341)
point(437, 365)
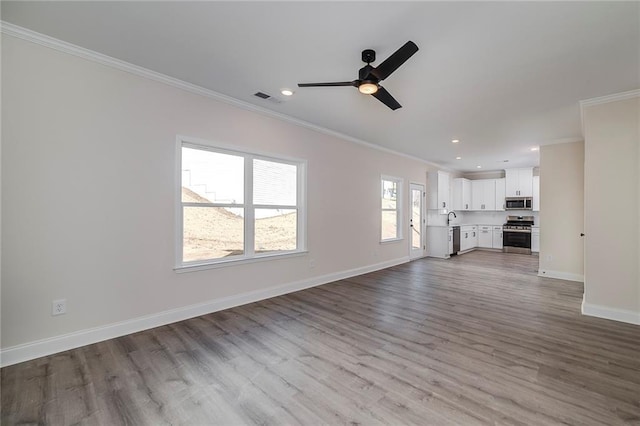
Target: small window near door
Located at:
point(391, 212)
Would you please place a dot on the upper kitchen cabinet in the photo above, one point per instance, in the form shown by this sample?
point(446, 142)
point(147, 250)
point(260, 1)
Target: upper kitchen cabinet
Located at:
point(519, 182)
point(536, 193)
point(500, 194)
point(483, 194)
point(439, 192)
point(461, 199)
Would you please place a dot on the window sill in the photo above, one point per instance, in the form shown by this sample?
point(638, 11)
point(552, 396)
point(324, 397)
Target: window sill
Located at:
point(236, 262)
point(394, 240)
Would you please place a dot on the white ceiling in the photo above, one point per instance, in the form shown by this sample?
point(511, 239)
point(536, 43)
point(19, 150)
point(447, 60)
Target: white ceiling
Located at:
point(501, 77)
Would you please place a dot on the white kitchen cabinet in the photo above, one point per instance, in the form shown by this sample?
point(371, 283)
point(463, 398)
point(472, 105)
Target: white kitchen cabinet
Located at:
point(519, 182)
point(500, 194)
point(450, 240)
point(474, 237)
point(477, 194)
point(497, 237)
point(468, 237)
point(535, 240)
point(483, 194)
point(536, 193)
point(438, 241)
point(465, 232)
point(439, 191)
point(485, 236)
point(461, 197)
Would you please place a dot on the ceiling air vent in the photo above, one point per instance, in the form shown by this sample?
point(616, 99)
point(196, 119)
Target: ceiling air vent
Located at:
point(268, 97)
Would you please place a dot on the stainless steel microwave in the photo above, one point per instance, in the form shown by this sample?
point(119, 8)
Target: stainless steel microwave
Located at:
point(518, 203)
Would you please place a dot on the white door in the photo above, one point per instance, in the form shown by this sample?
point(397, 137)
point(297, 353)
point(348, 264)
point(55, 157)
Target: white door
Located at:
point(416, 222)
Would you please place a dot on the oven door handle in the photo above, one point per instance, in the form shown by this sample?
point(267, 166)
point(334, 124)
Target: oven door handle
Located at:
point(520, 231)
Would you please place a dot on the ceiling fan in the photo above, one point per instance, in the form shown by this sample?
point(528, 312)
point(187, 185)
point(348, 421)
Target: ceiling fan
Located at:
point(369, 76)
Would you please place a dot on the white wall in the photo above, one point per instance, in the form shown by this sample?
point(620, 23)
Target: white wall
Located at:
point(612, 194)
point(562, 211)
point(88, 200)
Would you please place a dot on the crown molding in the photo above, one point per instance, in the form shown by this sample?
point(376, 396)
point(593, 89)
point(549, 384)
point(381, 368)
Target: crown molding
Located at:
point(610, 98)
point(603, 100)
point(22, 33)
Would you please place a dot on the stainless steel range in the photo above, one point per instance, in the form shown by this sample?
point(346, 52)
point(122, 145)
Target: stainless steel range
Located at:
point(516, 234)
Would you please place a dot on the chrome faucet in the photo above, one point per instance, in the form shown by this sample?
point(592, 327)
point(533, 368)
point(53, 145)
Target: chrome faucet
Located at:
point(449, 216)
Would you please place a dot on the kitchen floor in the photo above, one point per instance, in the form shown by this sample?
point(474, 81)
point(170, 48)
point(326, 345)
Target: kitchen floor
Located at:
point(475, 339)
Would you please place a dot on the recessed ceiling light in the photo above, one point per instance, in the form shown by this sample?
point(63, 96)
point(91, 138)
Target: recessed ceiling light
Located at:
point(535, 148)
point(455, 141)
point(479, 167)
point(286, 92)
point(458, 158)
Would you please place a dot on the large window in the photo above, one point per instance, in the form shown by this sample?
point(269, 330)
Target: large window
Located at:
point(391, 214)
point(237, 205)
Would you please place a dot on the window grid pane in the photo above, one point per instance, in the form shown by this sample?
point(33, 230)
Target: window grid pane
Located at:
point(389, 224)
point(212, 177)
point(274, 183)
point(212, 233)
point(276, 230)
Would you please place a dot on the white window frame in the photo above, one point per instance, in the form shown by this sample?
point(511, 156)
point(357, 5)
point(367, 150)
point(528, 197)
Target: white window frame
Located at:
point(249, 255)
point(399, 207)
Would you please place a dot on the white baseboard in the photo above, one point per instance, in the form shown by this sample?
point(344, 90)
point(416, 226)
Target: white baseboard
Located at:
point(52, 345)
point(561, 275)
point(606, 312)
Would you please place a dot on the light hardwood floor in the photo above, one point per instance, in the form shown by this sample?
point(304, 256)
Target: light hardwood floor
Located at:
point(477, 339)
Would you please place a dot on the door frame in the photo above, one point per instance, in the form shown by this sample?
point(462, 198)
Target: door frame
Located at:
point(417, 253)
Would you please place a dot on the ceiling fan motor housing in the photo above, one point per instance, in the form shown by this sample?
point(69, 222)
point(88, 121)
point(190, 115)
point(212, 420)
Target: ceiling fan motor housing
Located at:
point(368, 56)
point(365, 73)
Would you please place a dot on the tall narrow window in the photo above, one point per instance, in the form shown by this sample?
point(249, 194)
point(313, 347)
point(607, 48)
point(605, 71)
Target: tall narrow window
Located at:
point(391, 197)
point(238, 205)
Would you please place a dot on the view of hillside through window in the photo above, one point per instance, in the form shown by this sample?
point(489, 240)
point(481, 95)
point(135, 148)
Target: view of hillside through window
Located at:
point(389, 228)
point(215, 207)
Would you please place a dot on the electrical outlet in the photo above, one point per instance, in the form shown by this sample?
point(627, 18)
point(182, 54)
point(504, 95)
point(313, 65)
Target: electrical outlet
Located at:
point(59, 307)
point(312, 263)
point(549, 257)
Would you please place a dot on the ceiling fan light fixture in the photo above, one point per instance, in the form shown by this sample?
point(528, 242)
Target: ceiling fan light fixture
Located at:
point(368, 88)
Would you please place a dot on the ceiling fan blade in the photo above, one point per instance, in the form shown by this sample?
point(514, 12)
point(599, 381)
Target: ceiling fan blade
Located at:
point(337, 83)
point(394, 61)
point(385, 97)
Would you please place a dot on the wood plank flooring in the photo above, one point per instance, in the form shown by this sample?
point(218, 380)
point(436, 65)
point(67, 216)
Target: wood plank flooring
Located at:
point(477, 339)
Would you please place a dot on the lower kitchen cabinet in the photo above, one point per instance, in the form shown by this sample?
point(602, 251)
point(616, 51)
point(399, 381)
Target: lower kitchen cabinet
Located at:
point(535, 240)
point(485, 236)
point(497, 237)
point(438, 241)
point(468, 237)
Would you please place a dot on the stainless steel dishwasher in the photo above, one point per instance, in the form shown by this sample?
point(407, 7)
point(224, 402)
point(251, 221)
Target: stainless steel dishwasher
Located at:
point(456, 240)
